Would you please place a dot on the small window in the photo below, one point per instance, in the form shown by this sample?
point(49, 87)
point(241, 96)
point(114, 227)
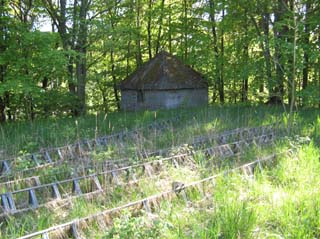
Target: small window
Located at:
point(140, 96)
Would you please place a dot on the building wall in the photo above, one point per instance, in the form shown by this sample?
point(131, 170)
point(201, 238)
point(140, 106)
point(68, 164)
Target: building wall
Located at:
point(163, 99)
point(128, 100)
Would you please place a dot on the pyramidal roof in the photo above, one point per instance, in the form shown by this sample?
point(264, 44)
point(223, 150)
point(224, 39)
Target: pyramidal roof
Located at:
point(164, 72)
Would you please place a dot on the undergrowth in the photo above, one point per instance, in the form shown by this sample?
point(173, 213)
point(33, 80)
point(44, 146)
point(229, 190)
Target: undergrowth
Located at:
point(28, 137)
point(281, 201)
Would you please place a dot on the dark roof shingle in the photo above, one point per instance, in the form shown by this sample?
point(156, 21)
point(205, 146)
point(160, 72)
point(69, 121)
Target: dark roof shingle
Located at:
point(164, 72)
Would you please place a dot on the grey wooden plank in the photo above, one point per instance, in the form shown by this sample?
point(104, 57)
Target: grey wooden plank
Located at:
point(5, 167)
point(35, 159)
point(76, 187)
point(11, 201)
point(55, 191)
point(47, 157)
point(5, 203)
point(33, 201)
point(146, 206)
point(97, 182)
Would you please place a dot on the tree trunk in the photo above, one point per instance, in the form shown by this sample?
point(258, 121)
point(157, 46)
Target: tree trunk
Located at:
point(221, 80)
point(71, 44)
point(265, 46)
point(244, 92)
point(290, 38)
point(81, 73)
point(114, 80)
point(45, 83)
point(81, 64)
point(160, 27)
point(32, 113)
point(293, 73)
point(113, 75)
point(318, 71)
point(58, 15)
point(105, 101)
point(2, 66)
point(128, 58)
point(128, 68)
point(280, 31)
point(149, 29)
point(306, 47)
point(185, 26)
point(138, 37)
point(217, 57)
point(245, 84)
point(7, 103)
point(2, 98)
point(2, 110)
point(267, 55)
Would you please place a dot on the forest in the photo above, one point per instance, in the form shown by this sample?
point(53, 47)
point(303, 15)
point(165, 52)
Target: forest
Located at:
point(67, 58)
point(74, 163)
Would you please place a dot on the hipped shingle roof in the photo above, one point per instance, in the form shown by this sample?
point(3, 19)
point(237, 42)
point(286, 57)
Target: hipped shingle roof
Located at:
point(164, 72)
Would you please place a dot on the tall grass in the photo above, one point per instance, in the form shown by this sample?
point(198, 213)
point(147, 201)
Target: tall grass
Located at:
point(282, 201)
point(24, 137)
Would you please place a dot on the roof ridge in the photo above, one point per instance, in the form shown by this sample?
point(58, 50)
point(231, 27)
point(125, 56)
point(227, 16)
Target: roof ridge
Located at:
point(164, 71)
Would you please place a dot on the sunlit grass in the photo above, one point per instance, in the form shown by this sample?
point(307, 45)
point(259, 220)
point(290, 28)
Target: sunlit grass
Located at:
point(282, 201)
point(272, 205)
point(22, 137)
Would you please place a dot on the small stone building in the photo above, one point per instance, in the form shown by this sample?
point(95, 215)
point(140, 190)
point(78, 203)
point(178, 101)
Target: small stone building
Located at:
point(164, 82)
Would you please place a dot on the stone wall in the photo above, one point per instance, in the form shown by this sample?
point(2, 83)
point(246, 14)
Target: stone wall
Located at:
point(163, 99)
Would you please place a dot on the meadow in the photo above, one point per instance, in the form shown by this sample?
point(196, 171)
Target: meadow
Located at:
point(212, 172)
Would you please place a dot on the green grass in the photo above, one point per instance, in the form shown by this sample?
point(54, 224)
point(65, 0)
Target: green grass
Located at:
point(23, 137)
point(281, 202)
point(116, 196)
point(270, 206)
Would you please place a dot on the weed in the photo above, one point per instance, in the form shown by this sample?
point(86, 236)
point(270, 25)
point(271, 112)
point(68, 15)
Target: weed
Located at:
point(280, 200)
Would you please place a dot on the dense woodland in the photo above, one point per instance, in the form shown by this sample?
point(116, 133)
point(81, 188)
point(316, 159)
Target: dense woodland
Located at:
point(250, 51)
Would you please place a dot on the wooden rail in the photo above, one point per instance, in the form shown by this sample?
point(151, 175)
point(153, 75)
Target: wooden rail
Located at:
point(91, 184)
point(72, 228)
point(80, 148)
point(220, 138)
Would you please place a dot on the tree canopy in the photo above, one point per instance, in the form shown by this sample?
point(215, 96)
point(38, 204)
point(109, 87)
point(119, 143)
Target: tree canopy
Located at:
point(250, 51)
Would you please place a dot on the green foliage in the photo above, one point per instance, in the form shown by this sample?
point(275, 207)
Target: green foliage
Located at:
point(311, 95)
point(244, 54)
point(30, 58)
point(134, 227)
